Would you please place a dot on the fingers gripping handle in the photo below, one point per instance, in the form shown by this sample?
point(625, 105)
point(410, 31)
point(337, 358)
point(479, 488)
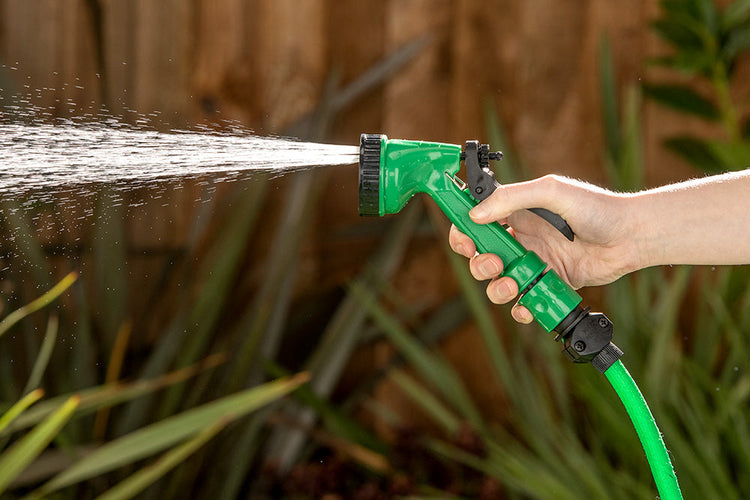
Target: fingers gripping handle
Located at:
point(542, 291)
point(482, 183)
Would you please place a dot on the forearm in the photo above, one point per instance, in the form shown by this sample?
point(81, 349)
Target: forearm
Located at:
point(702, 221)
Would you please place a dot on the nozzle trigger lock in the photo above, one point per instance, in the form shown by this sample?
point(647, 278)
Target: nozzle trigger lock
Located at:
point(480, 179)
point(482, 183)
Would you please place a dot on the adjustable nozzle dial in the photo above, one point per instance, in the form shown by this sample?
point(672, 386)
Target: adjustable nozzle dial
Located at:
point(369, 174)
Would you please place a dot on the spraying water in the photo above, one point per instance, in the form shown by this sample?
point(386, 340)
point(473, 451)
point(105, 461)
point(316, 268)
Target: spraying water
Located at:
point(51, 157)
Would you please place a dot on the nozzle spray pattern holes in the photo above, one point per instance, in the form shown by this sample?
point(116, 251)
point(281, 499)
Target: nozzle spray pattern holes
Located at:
point(46, 156)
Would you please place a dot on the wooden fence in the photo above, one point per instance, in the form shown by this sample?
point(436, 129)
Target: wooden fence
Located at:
point(267, 63)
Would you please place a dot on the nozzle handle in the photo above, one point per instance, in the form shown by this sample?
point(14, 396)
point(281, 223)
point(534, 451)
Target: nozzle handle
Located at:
point(556, 220)
point(549, 298)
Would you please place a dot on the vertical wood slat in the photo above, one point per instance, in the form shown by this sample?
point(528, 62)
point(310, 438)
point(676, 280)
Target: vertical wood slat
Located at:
point(355, 33)
point(118, 19)
point(78, 58)
point(163, 46)
point(220, 40)
point(417, 99)
point(290, 57)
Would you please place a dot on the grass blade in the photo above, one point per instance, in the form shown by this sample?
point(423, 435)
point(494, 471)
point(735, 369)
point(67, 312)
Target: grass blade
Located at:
point(332, 415)
point(340, 337)
point(139, 481)
point(268, 311)
point(227, 255)
point(37, 304)
point(427, 401)
point(113, 373)
point(42, 359)
point(110, 395)
point(439, 374)
point(20, 455)
point(165, 433)
point(18, 408)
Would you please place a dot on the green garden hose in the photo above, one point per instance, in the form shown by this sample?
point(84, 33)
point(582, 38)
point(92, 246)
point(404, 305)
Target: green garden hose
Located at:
point(648, 432)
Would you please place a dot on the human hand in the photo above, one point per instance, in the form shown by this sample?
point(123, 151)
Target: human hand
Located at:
point(603, 249)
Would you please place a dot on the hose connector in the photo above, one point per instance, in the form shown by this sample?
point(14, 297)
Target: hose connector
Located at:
point(587, 338)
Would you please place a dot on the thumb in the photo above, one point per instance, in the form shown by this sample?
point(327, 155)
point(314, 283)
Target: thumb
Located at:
point(544, 192)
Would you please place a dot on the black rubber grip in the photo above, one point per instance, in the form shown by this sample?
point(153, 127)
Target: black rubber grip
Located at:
point(554, 219)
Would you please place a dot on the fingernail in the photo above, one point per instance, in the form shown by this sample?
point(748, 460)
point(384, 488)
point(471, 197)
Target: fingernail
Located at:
point(478, 212)
point(489, 268)
point(525, 316)
point(506, 290)
point(460, 249)
point(518, 314)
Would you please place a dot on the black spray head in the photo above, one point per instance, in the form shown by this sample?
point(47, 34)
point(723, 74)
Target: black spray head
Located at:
point(369, 174)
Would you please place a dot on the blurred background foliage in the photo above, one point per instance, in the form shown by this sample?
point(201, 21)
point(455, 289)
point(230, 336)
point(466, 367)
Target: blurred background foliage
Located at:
point(160, 371)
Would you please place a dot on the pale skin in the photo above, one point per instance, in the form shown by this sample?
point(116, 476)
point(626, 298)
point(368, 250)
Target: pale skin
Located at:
point(702, 222)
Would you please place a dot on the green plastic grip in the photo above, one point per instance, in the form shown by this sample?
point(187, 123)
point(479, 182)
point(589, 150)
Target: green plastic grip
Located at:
point(410, 167)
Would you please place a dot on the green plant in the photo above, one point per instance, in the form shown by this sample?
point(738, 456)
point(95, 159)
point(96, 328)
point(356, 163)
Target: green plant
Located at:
point(707, 43)
point(180, 434)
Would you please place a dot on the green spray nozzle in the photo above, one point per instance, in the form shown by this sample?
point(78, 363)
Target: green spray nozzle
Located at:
point(391, 172)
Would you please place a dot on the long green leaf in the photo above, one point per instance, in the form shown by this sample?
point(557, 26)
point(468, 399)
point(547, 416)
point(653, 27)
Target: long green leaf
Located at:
point(631, 168)
point(737, 12)
point(103, 396)
point(682, 98)
point(733, 155)
point(165, 433)
point(22, 235)
point(432, 406)
point(478, 304)
point(198, 317)
point(697, 152)
point(332, 415)
point(18, 408)
point(42, 358)
point(20, 455)
point(737, 42)
point(677, 35)
point(341, 335)
point(37, 304)
point(139, 481)
point(219, 276)
point(433, 369)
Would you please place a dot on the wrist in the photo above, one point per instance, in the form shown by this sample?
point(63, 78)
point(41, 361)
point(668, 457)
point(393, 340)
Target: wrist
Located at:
point(642, 233)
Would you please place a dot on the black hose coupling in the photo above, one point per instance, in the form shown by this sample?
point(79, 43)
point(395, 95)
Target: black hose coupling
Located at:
point(587, 338)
